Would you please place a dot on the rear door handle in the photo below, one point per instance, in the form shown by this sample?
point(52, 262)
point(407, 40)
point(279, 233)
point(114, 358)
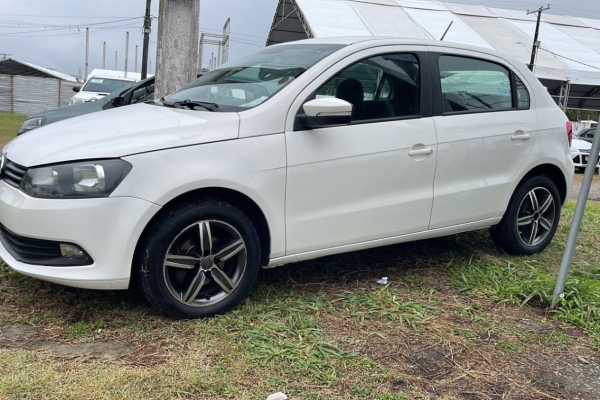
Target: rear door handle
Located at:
point(521, 136)
point(421, 152)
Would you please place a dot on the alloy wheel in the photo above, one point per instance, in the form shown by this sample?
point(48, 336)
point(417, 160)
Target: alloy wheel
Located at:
point(205, 263)
point(536, 215)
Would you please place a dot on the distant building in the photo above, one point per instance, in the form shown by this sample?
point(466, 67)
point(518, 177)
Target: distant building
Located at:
point(28, 89)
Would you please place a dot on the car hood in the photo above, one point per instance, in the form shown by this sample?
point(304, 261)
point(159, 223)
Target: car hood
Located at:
point(120, 132)
point(579, 144)
point(87, 96)
point(58, 114)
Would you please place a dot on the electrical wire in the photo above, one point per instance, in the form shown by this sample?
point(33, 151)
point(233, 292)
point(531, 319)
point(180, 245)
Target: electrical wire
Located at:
point(56, 16)
point(81, 32)
point(570, 59)
point(68, 27)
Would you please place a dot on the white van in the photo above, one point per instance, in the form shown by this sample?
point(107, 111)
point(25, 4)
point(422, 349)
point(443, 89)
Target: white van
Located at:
point(102, 82)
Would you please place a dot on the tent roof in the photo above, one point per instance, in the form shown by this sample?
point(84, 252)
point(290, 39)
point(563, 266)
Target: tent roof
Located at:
point(10, 66)
point(569, 52)
point(570, 49)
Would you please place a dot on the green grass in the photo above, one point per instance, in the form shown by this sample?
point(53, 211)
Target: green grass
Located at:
point(9, 126)
point(457, 316)
point(520, 280)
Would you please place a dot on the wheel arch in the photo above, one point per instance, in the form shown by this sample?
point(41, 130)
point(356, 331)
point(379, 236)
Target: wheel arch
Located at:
point(554, 173)
point(233, 197)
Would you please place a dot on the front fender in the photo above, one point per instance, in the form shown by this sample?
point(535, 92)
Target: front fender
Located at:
point(255, 167)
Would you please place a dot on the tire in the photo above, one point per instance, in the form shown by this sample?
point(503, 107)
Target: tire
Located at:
point(525, 229)
point(186, 276)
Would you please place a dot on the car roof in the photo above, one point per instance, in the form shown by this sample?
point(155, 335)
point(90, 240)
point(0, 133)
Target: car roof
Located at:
point(386, 40)
point(115, 78)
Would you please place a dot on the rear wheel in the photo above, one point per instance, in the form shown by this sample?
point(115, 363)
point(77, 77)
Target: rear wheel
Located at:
point(531, 218)
point(199, 260)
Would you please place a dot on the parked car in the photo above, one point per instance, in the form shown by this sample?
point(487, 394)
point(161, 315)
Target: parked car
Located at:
point(100, 83)
point(298, 151)
point(135, 93)
point(587, 134)
point(580, 152)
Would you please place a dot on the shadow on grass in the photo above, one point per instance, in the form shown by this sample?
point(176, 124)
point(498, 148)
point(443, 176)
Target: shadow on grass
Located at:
point(334, 272)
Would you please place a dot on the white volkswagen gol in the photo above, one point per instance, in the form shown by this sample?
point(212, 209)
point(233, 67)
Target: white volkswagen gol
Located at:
point(298, 151)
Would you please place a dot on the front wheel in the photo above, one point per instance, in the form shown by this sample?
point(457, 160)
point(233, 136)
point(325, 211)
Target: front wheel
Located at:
point(531, 218)
point(199, 259)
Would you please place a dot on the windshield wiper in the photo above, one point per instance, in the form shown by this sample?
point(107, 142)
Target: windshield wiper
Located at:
point(191, 104)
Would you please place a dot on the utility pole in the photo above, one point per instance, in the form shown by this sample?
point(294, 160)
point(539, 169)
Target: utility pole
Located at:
point(136, 58)
point(104, 56)
point(126, 53)
point(536, 43)
point(87, 50)
point(147, 30)
point(177, 50)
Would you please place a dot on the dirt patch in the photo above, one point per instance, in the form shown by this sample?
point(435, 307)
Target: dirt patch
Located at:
point(505, 356)
point(569, 376)
point(594, 190)
point(29, 337)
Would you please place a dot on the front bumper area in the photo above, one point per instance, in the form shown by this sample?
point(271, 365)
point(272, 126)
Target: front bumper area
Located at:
point(107, 229)
point(581, 159)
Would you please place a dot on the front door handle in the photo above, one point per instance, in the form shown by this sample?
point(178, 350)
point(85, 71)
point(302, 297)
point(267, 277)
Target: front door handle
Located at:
point(519, 135)
point(421, 152)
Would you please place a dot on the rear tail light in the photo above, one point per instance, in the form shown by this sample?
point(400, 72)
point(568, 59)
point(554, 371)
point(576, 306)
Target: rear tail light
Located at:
point(570, 132)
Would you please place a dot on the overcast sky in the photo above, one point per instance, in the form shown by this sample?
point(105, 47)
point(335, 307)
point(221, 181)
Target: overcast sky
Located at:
point(51, 33)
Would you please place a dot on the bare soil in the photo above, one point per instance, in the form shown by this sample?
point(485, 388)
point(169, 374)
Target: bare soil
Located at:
point(594, 190)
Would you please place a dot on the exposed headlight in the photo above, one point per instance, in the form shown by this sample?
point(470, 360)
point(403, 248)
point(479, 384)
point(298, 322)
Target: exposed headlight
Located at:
point(75, 180)
point(31, 123)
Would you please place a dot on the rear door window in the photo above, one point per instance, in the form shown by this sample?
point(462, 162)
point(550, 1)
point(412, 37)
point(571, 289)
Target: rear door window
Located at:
point(472, 85)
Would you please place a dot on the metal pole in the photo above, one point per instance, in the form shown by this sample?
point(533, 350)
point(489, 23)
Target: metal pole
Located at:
point(87, 50)
point(126, 52)
point(590, 170)
point(200, 52)
point(136, 58)
point(147, 30)
point(116, 58)
point(537, 32)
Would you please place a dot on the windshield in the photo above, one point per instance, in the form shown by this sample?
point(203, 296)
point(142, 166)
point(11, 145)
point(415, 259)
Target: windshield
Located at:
point(123, 91)
point(104, 85)
point(250, 81)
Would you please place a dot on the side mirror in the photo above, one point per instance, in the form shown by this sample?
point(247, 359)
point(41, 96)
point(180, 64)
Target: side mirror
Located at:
point(77, 89)
point(325, 112)
point(118, 101)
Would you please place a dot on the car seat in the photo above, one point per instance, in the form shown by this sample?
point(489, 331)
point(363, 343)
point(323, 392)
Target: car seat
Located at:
point(353, 92)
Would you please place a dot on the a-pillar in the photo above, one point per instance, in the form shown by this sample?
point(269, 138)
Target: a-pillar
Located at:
point(177, 49)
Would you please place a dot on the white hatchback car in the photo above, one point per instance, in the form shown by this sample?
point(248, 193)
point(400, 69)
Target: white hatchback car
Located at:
point(298, 151)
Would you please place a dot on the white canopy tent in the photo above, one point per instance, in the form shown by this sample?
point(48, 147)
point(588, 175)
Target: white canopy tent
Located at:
point(568, 62)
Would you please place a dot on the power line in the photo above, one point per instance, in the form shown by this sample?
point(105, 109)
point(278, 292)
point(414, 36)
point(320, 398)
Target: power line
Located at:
point(570, 59)
point(233, 33)
point(68, 27)
point(76, 33)
point(58, 16)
